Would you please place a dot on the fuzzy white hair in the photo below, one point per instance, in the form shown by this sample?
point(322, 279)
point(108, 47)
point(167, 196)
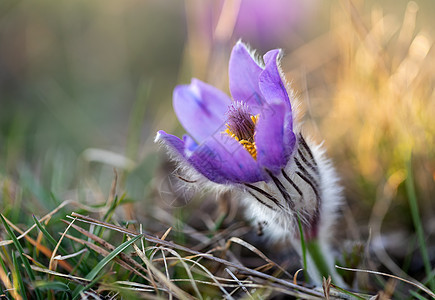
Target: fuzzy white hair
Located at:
point(317, 196)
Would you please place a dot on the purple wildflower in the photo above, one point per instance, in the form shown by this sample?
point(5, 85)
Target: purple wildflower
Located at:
point(237, 141)
point(250, 144)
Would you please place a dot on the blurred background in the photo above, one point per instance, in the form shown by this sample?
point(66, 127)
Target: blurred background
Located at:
point(85, 85)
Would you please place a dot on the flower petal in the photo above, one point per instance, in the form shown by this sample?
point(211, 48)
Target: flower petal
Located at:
point(270, 82)
point(200, 108)
point(273, 87)
point(173, 143)
point(189, 145)
point(224, 160)
point(273, 140)
point(244, 73)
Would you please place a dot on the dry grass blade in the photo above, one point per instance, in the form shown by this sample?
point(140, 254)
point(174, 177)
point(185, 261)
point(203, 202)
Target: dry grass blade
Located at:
point(93, 221)
point(64, 257)
point(258, 252)
point(76, 279)
point(166, 233)
point(228, 285)
point(264, 268)
point(94, 247)
point(166, 270)
point(326, 286)
point(416, 284)
point(239, 283)
point(157, 248)
point(295, 277)
point(145, 287)
point(52, 260)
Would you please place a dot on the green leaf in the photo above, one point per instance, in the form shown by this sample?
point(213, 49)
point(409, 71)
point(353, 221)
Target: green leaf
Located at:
point(97, 269)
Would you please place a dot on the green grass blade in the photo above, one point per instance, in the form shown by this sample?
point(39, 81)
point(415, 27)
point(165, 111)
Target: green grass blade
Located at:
point(97, 269)
point(18, 276)
point(417, 296)
point(348, 293)
point(412, 197)
point(318, 259)
point(48, 236)
point(91, 275)
point(21, 251)
point(304, 247)
point(53, 285)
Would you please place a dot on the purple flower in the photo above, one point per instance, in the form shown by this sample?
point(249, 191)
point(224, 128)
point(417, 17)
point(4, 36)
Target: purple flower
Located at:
point(249, 143)
point(243, 139)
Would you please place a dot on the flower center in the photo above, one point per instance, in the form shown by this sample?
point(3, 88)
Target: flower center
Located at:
point(241, 126)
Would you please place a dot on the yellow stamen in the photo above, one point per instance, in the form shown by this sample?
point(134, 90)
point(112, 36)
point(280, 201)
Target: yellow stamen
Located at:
point(248, 145)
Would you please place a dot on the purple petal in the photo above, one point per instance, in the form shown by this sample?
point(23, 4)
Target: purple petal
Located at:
point(173, 143)
point(189, 145)
point(272, 85)
point(273, 140)
point(244, 73)
point(270, 82)
point(200, 108)
point(224, 160)
point(289, 138)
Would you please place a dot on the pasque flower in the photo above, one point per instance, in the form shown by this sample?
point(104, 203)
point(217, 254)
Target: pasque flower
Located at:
point(251, 144)
point(239, 140)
